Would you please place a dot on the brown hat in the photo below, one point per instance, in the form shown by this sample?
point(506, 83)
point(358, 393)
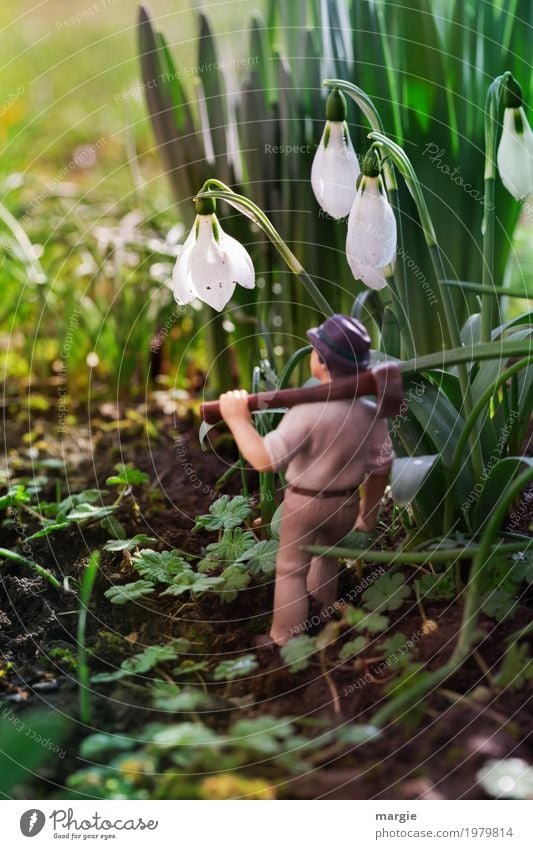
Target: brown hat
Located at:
point(342, 342)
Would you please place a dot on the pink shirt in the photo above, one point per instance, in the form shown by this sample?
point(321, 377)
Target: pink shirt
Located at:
point(331, 445)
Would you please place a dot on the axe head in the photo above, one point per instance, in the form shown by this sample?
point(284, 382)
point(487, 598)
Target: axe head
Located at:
point(389, 389)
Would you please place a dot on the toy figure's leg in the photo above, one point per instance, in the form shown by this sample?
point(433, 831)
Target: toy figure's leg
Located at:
point(299, 526)
point(322, 581)
point(305, 520)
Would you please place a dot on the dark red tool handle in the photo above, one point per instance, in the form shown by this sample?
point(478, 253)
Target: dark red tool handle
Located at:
point(344, 387)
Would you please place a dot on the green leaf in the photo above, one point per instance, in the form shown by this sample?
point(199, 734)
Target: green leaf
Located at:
point(127, 475)
point(129, 592)
point(517, 667)
point(100, 744)
point(193, 582)
point(522, 568)
point(232, 580)
point(112, 525)
point(499, 477)
point(128, 544)
point(352, 648)
point(275, 522)
point(89, 513)
point(408, 475)
point(173, 698)
point(232, 546)
point(242, 666)
point(439, 587)
point(498, 604)
point(356, 734)
point(15, 495)
point(389, 592)
point(359, 619)
point(261, 558)
point(225, 513)
point(161, 567)
point(264, 734)
point(49, 529)
point(144, 661)
point(297, 652)
point(185, 734)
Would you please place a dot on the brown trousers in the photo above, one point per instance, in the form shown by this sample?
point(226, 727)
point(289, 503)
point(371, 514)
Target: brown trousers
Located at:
point(307, 521)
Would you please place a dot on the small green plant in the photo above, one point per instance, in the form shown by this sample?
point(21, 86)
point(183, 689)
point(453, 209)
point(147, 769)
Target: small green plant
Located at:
point(146, 660)
point(388, 592)
point(225, 513)
point(86, 589)
point(298, 651)
point(241, 667)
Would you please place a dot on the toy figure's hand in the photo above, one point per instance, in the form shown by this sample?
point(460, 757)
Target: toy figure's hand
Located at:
point(234, 405)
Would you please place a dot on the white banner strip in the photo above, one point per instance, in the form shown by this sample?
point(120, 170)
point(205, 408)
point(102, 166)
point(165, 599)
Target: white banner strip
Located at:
point(260, 825)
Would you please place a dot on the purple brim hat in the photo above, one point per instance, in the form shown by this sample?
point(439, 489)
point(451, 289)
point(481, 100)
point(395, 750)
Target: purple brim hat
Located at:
point(342, 342)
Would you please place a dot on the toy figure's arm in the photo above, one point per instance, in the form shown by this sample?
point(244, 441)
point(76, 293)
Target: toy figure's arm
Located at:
point(373, 490)
point(234, 411)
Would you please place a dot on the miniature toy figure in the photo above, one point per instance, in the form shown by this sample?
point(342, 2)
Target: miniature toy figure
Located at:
point(329, 450)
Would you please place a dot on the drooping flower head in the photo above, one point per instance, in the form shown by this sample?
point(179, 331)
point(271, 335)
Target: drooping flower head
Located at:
point(211, 262)
point(335, 167)
point(371, 237)
point(515, 152)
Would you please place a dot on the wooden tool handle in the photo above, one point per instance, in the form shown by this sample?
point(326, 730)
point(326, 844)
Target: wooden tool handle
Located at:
point(353, 386)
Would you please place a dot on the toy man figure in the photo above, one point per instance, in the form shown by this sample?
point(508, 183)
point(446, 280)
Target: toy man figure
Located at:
point(328, 450)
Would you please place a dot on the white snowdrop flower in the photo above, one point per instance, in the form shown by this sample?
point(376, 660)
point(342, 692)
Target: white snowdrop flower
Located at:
point(335, 167)
point(211, 263)
point(371, 237)
point(515, 151)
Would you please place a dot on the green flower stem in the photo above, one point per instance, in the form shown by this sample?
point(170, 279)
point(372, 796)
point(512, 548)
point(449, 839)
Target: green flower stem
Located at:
point(462, 354)
point(219, 191)
point(452, 330)
point(7, 554)
point(436, 555)
point(86, 589)
point(425, 683)
point(492, 109)
point(218, 352)
point(469, 425)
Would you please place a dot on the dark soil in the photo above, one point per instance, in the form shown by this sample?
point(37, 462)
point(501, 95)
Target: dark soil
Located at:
point(433, 753)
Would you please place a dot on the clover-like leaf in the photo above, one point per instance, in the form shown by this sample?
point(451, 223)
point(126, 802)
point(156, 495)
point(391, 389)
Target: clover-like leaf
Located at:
point(261, 558)
point(88, 512)
point(233, 579)
point(234, 543)
point(389, 592)
point(129, 592)
point(162, 567)
point(361, 620)
point(225, 513)
point(228, 670)
point(145, 660)
point(128, 544)
point(185, 734)
point(193, 582)
point(353, 648)
point(298, 651)
point(440, 587)
point(264, 734)
point(497, 604)
point(171, 697)
point(127, 475)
